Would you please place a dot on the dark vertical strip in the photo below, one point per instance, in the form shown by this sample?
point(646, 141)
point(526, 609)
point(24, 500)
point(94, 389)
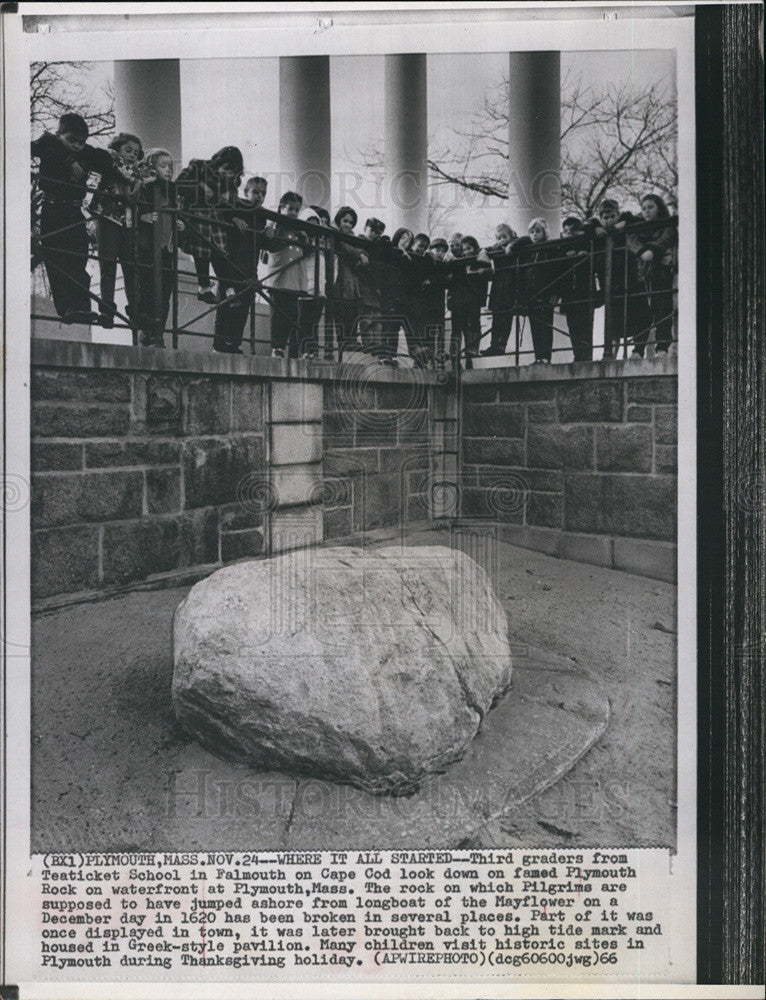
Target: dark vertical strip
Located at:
point(743, 397)
point(710, 527)
point(730, 242)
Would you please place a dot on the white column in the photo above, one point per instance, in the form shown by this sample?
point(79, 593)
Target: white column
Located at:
point(406, 133)
point(534, 138)
point(147, 102)
point(305, 149)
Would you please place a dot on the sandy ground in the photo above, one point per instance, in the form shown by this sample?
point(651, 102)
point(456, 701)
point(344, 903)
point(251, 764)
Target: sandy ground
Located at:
point(112, 771)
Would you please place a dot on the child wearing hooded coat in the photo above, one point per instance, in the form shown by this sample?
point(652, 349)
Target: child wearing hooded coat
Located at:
point(654, 252)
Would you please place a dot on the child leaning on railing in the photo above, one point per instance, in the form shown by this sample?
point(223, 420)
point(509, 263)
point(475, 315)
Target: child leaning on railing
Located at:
point(154, 292)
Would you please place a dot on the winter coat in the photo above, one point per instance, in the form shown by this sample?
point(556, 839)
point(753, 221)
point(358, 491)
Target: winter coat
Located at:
point(209, 199)
point(663, 243)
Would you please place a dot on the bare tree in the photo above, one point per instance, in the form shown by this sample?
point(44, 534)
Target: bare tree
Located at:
point(59, 87)
point(56, 88)
point(617, 140)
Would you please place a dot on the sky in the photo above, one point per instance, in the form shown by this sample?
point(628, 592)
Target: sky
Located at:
point(236, 102)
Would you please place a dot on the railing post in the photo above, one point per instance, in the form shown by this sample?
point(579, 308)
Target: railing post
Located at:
point(591, 291)
point(136, 280)
point(318, 253)
point(174, 314)
point(608, 297)
point(157, 263)
point(517, 317)
point(625, 300)
point(254, 278)
point(329, 316)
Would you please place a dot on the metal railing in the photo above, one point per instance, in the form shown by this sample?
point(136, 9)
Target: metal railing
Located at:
point(590, 271)
point(635, 299)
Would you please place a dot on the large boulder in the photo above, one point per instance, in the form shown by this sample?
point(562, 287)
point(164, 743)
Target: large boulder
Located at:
point(373, 667)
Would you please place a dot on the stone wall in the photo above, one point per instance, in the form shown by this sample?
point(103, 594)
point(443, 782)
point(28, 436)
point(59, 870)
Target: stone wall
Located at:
point(376, 452)
point(580, 467)
point(150, 466)
point(153, 466)
point(136, 475)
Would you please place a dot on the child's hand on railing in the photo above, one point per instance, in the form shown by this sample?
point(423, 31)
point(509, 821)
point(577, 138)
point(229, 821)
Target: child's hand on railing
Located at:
point(240, 224)
point(151, 217)
point(647, 255)
point(124, 170)
point(180, 226)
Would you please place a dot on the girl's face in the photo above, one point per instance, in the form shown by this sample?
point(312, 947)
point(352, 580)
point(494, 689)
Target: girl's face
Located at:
point(227, 171)
point(537, 234)
point(129, 151)
point(405, 241)
point(419, 247)
point(256, 195)
point(438, 253)
point(164, 167)
point(467, 249)
point(291, 210)
point(502, 236)
point(346, 223)
point(609, 217)
point(649, 210)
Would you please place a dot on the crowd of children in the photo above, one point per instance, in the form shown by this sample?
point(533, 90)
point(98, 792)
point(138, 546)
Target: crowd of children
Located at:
point(372, 287)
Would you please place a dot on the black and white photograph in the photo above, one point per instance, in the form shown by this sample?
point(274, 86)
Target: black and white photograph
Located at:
point(431, 513)
point(355, 504)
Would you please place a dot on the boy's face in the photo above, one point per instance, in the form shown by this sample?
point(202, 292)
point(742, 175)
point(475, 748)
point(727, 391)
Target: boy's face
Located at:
point(130, 151)
point(537, 234)
point(291, 210)
point(569, 230)
point(371, 233)
point(256, 194)
point(609, 217)
point(226, 170)
point(456, 248)
point(419, 247)
point(438, 253)
point(164, 167)
point(503, 237)
point(467, 249)
point(73, 142)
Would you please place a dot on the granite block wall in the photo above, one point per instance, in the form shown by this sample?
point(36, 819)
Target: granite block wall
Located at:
point(136, 475)
point(151, 466)
point(376, 454)
point(583, 468)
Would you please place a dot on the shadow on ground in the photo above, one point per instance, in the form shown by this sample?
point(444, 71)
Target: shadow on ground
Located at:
point(580, 752)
